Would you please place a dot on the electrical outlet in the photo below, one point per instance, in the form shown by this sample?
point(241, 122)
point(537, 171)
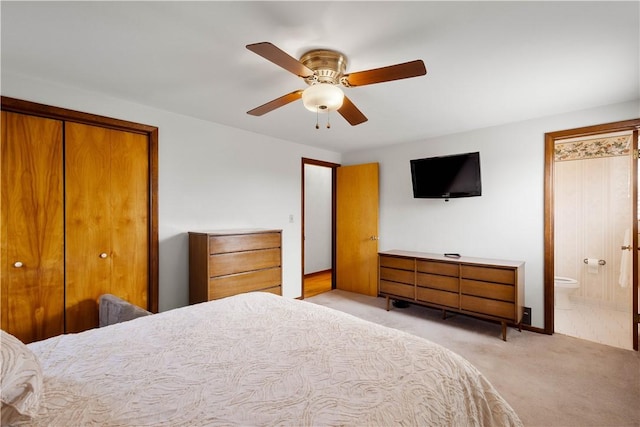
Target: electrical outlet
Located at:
point(526, 316)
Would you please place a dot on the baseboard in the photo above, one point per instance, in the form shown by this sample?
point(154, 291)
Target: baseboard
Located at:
point(534, 329)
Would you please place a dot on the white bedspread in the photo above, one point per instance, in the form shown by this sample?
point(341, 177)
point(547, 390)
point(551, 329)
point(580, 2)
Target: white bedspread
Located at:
point(259, 359)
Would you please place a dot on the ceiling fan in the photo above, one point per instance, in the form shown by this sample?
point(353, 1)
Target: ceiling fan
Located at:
point(324, 71)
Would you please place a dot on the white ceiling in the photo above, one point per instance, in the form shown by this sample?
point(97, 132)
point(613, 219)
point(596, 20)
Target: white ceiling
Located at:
point(488, 63)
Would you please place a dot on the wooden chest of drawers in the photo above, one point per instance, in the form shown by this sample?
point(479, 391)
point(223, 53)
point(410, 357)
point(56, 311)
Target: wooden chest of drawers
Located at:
point(229, 262)
point(486, 288)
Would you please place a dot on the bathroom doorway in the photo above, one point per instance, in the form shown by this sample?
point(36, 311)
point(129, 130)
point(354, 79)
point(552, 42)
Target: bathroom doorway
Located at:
point(591, 240)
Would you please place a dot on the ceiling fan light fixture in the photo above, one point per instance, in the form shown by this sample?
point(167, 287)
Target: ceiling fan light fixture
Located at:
point(322, 97)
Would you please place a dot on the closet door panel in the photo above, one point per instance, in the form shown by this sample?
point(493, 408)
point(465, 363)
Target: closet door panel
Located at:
point(130, 218)
point(88, 223)
point(32, 280)
point(107, 215)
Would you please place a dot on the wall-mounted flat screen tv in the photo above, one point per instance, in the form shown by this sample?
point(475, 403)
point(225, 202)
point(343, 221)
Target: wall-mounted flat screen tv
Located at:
point(446, 177)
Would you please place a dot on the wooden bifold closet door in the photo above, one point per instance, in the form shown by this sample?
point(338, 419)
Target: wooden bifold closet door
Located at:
point(106, 217)
point(79, 218)
point(32, 227)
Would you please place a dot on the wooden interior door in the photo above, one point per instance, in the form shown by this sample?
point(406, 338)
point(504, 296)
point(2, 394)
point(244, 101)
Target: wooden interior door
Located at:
point(357, 228)
point(106, 216)
point(32, 227)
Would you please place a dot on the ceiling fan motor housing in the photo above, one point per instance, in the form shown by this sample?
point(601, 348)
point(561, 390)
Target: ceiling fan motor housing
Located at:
point(328, 66)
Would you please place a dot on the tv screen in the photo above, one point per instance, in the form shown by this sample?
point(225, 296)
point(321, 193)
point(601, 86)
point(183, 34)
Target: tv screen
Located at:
point(446, 177)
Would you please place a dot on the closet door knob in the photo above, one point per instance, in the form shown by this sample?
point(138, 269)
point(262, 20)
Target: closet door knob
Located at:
point(103, 255)
point(17, 264)
point(626, 248)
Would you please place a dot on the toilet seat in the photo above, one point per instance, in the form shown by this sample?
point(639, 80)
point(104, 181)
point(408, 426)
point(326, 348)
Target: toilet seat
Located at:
point(563, 287)
point(565, 282)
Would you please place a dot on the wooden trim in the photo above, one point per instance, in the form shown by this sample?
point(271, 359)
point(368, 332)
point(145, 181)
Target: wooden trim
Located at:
point(302, 237)
point(307, 161)
point(63, 114)
point(595, 129)
point(41, 110)
point(333, 166)
point(334, 209)
point(154, 265)
point(549, 251)
point(635, 243)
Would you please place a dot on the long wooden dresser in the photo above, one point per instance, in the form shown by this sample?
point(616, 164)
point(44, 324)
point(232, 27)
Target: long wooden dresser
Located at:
point(223, 263)
point(484, 288)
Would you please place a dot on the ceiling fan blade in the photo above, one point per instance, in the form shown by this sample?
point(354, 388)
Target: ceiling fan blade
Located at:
point(276, 103)
point(274, 54)
point(385, 74)
point(351, 113)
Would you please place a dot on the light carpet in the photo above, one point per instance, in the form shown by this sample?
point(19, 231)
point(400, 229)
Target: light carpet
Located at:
point(552, 380)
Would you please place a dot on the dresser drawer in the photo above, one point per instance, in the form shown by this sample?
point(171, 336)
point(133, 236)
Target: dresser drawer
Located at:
point(224, 286)
point(442, 268)
point(488, 274)
point(449, 299)
point(237, 262)
point(402, 276)
point(398, 289)
point(488, 290)
point(489, 307)
point(243, 242)
point(399, 263)
point(435, 281)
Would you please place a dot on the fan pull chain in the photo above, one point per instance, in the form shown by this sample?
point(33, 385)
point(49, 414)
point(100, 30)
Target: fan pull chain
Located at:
point(318, 119)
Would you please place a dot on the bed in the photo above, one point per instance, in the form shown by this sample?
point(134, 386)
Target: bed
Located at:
point(251, 359)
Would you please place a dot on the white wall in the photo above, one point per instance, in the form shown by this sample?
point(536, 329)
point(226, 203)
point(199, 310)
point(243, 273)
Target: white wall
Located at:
point(507, 221)
point(317, 218)
point(210, 177)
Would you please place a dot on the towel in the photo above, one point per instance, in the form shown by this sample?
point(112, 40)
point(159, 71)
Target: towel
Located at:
point(626, 261)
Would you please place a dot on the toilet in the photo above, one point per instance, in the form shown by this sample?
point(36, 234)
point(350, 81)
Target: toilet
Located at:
point(564, 286)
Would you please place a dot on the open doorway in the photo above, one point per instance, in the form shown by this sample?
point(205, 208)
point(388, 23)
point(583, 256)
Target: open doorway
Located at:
point(591, 231)
point(318, 226)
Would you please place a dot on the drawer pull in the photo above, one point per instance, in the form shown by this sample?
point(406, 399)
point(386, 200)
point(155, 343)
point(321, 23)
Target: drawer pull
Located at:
point(103, 255)
point(17, 264)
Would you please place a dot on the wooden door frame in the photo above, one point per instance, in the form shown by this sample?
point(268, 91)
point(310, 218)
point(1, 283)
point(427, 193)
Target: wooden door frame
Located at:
point(549, 251)
point(334, 167)
point(63, 114)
